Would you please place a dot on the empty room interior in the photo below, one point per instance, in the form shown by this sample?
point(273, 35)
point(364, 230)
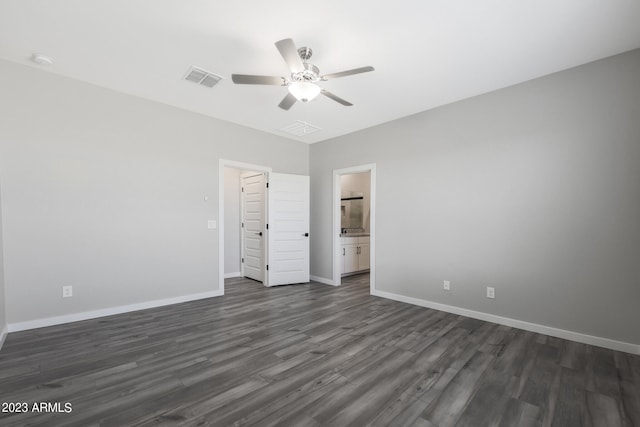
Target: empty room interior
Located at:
point(423, 213)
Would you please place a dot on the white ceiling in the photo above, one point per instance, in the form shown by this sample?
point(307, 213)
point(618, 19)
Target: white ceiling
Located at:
point(426, 53)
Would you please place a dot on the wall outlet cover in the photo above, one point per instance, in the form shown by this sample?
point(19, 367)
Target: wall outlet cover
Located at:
point(67, 291)
point(491, 292)
point(446, 285)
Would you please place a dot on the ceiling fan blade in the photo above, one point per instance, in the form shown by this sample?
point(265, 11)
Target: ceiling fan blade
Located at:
point(335, 98)
point(287, 102)
point(246, 79)
point(289, 52)
point(348, 73)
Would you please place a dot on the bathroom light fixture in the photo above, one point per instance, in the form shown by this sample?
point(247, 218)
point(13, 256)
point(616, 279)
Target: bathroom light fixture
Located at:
point(304, 91)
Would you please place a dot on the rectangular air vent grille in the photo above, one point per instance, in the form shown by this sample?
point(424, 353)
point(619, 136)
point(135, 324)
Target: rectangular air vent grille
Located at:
point(300, 128)
point(202, 77)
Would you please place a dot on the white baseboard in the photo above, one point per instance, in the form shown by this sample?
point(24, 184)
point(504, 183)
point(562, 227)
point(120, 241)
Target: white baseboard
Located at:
point(519, 324)
point(322, 280)
point(230, 275)
point(3, 335)
point(76, 317)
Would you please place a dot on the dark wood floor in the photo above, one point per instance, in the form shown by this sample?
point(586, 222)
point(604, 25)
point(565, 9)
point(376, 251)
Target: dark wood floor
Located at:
point(308, 355)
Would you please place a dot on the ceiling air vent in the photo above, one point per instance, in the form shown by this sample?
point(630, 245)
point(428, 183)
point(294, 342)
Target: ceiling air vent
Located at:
point(300, 128)
point(202, 77)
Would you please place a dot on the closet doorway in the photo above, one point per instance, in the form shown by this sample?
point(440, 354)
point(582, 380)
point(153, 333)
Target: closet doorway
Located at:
point(252, 224)
point(275, 248)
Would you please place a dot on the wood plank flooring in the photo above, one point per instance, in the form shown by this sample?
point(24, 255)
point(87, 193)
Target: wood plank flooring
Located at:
point(311, 355)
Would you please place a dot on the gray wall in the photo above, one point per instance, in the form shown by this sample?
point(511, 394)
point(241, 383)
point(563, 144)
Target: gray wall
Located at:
point(105, 192)
point(533, 189)
point(231, 220)
point(3, 317)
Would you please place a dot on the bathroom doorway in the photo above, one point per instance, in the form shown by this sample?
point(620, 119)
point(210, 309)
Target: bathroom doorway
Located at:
point(354, 224)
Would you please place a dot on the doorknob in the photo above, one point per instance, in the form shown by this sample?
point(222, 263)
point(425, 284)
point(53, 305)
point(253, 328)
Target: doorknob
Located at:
point(306, 234)
point(259, 233)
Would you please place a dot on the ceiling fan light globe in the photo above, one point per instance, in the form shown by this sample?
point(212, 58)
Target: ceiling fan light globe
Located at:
point(304, 91)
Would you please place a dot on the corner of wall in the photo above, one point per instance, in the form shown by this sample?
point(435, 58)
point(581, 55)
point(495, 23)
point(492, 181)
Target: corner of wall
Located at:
point(3, 335)
point(3, 303)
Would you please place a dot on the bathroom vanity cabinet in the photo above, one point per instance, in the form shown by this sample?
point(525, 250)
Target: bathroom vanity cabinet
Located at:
point(355, 254)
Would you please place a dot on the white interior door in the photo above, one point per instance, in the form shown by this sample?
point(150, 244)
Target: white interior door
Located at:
point(288, 230)
point(253, 212)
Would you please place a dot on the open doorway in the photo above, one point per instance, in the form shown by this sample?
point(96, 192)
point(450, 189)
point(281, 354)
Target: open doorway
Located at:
point(252, 224)
point(244, 223)
point(354, 224)
point(232, 241)
point(283, 231)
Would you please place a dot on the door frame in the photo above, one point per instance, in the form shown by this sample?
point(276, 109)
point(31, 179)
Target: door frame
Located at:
point(337, 196)
point(223, 163)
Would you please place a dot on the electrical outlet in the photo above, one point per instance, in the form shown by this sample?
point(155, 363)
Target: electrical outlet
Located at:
point(67, 291)
point(491, 292)
point(446, 285)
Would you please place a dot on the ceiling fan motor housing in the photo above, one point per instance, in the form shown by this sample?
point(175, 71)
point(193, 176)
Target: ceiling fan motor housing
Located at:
point(310, 74)
point(305, 53)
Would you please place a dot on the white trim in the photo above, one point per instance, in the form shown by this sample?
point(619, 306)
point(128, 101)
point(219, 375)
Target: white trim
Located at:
point(519, 324)
point(337, 277)
point(222, 163)
point(230, 275)
point(58, 320)
point(322, 280)
point(3, 335)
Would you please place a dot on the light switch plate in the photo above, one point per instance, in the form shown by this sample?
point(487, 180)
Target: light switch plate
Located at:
point(212, 224)
point(67, 291)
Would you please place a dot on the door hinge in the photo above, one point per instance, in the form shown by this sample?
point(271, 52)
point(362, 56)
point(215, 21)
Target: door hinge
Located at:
point(267, 266)
point(243, 260)
point(242, 225)
point(267, 185)
point(242, 189)
point(267, 226)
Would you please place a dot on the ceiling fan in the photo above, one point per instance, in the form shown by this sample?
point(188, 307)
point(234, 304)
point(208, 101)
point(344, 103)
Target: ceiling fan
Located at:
point(304, 76)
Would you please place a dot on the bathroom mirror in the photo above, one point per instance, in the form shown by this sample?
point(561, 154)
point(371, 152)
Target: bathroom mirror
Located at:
point(352, 212)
